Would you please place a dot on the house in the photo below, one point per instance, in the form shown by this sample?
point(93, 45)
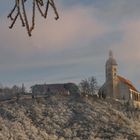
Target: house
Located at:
point(63, 89)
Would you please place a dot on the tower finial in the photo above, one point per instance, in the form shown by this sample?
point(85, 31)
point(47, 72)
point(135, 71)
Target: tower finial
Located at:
point(110, 54)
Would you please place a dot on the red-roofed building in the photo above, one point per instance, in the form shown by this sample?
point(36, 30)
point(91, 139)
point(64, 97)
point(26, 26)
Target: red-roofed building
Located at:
point(116, 86)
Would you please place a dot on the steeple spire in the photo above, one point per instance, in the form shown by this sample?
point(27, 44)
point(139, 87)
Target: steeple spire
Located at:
point(111, 60)
point(110, 54)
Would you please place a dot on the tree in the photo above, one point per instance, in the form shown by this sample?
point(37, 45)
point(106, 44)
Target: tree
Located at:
point(89, 86)
point(16, 92)
point(84, 87)
point(19, 10)
point(72, 88)
point(23, 89)
point(93, 85)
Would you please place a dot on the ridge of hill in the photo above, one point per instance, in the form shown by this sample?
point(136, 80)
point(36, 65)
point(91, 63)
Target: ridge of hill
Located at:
point(59, 117)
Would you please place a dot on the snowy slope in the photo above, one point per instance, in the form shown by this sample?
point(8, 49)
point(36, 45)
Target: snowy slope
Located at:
point(68, 118)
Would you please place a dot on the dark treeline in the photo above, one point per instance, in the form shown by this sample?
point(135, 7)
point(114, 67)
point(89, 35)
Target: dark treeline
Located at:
point(7, 93)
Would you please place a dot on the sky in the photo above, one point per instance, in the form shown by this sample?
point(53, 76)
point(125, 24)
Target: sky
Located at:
point(74, 47)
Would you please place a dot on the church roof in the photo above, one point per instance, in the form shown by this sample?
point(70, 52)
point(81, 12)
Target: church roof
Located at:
point(129, 83)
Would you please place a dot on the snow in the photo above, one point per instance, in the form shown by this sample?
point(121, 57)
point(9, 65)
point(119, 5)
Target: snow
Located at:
point(59, 117)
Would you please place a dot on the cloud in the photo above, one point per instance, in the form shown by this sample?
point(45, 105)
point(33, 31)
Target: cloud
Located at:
point(74, 46)
point(116, 11)
point(55, 52)
point(76, 26)
point(131, 40)
point(128, 51)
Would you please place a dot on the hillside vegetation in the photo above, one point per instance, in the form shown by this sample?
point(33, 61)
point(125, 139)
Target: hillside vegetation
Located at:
point(59, 117)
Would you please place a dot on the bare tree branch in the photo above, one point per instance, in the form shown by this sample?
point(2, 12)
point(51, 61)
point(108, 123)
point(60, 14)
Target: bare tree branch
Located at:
point(19, 10)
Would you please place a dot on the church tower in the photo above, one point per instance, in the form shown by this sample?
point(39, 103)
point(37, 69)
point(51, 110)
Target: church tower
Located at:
point(111, 75)
point(116, 86)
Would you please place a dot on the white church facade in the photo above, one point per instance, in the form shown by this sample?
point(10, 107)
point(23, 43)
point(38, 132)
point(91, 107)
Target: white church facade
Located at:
point(116, 86)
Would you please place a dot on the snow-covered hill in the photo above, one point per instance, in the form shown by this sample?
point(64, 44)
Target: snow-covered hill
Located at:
point(60, 117)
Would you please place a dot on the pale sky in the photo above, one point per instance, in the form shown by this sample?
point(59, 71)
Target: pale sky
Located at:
point(74, 47)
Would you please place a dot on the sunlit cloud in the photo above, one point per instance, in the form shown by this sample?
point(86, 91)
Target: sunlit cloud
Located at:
point(75, 26)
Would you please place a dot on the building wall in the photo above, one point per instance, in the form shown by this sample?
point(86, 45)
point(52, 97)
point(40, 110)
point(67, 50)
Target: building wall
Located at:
point(109, 89)
point(136, 104)
point(116, 89)
point(124, 91)
point(116, 93)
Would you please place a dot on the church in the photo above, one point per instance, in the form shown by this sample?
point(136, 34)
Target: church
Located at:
point(116, 86)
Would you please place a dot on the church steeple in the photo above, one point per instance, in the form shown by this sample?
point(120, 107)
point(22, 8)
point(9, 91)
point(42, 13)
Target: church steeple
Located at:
point(110, 54)
point(111, 67)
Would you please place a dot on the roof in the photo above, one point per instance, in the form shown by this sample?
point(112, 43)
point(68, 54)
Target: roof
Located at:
point(56, 87)
point(62, 87)
point(129, 83)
